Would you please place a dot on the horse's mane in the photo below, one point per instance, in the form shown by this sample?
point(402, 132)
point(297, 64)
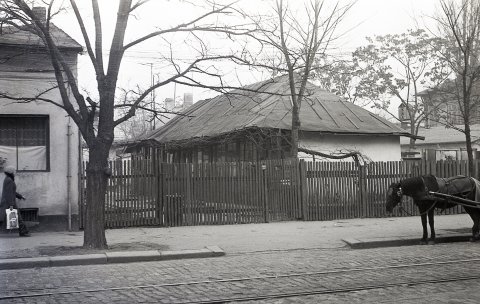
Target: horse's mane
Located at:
point(415, 185)
point(431, 182)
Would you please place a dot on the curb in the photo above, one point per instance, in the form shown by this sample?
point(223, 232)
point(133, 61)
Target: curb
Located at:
point(378, 243)
point(110, 258)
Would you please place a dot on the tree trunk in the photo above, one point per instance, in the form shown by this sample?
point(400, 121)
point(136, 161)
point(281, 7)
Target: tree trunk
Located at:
point(411, 145)
point(295, 129)
point(94, 232)
point(468, 143)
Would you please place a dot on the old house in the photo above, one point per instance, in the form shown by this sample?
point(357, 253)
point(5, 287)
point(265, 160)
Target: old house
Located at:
point(254, 123)
point(442, 143)
point(37, 137)
point(442, 107)
point(443, 120)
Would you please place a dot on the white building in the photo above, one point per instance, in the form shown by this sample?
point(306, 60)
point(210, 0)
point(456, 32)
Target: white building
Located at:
point(36, 137)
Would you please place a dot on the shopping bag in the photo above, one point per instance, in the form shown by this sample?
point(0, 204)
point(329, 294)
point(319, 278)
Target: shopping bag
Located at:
point(12, 218)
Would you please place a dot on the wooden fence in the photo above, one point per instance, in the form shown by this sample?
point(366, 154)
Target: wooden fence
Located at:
point(142, 192)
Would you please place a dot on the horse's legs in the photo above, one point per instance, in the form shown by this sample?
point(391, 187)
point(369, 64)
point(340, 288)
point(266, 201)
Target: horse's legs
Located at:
point(431, 222)
point(475, 215)
point(475, 229)
point(424, 225)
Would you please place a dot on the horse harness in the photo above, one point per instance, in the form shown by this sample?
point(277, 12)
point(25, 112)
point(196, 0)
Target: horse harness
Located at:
point(445, 185)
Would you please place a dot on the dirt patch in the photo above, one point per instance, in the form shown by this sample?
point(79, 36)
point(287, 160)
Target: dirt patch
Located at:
point(460, 230)
point(78, 250)
point(74, 250)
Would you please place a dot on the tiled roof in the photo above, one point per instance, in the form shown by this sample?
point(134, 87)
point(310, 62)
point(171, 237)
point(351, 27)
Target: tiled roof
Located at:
point(441, 134)
point(12, 36)
point(269, 106)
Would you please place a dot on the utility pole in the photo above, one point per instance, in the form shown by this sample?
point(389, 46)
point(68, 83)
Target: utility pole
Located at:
point(153, 106)
point(152, 96)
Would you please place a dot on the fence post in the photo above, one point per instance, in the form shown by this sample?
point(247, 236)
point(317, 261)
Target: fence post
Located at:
point(362, 181)
point(265, 193)
point(82, 196)
point(476, 169)
point(303, 189)
point(159, 190)
point(189, 190)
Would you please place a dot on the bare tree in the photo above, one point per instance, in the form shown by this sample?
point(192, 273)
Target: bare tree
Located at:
point(85, 109)
point(459, 26)
point(298, 47)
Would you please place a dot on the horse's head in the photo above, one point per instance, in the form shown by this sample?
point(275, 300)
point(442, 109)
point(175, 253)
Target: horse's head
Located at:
point(394, 196)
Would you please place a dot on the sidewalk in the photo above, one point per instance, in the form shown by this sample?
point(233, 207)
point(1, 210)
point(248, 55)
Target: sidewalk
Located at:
point(138, 244)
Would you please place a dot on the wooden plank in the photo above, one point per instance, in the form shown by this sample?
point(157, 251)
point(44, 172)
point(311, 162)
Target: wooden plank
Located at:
point(190, 219)
point(317, 188)
point(222, 189)
point(138, 198)
point(229, 206)
point(235, 207)
point(302, 175)
point(116, 192)
point(123, 205)
point(241, 192)
point(247, 191)
point(215, 192)
point(373, 182)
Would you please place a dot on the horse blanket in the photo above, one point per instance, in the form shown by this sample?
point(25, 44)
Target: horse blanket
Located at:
point(459, 185)
point(455, 185)
point(477, 189)
point(418, 187)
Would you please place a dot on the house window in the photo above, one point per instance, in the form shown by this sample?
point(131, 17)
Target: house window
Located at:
point(446, 155)
point(24, 142)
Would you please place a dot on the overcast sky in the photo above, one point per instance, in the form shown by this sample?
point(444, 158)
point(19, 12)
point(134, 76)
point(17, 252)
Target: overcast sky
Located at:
point(366, 18)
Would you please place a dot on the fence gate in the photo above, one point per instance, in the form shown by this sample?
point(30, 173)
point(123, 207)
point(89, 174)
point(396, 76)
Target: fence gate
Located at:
point(229, 193)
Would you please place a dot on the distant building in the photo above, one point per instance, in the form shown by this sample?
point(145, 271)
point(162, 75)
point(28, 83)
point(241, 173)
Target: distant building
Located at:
point(442, 107)
point(442, 144)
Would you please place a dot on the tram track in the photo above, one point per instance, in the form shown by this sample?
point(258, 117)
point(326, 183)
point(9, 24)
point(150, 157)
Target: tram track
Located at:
point(302, 284)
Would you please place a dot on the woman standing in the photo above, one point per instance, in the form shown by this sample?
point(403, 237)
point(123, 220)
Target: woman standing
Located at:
point(9, 196)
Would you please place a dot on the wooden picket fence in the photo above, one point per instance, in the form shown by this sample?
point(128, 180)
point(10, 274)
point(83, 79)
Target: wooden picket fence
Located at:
point(141, 192)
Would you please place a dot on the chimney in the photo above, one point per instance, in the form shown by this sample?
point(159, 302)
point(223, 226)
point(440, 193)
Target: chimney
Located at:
point(187, 100)
point(169, 104)
point(40, 12)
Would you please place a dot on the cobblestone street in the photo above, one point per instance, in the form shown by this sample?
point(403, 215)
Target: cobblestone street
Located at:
point(445, 273)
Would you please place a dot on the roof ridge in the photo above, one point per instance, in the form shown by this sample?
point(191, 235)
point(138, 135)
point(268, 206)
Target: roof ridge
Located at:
point(268, 108)
point(21, 36)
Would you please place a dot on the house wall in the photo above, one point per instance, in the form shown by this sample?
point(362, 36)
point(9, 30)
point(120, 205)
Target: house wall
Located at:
point(49, 190)
point(448, 111)
point(376, 148)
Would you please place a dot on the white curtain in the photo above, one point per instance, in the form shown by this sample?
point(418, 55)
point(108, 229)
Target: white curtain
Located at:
point(32, 158)
point(10, 154)
point(29, 157)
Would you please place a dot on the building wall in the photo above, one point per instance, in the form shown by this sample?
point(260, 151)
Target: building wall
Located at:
point(47, 191)
point(442, 151)
point(376, 148)
point(447, 112)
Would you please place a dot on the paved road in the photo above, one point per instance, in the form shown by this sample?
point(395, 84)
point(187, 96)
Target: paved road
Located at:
point(444, 273)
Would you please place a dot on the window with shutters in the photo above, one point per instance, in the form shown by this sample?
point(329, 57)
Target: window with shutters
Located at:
point(24, 142)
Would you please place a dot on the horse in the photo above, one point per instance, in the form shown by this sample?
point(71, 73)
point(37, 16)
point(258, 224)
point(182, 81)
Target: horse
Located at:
point(418, 189)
